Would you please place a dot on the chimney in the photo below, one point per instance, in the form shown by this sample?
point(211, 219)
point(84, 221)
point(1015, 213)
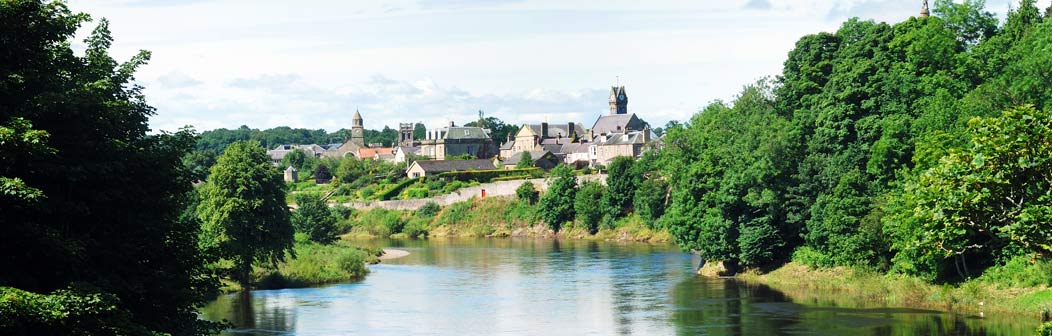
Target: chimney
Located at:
point(544, 129)
point(570, 131)
point(452, 124)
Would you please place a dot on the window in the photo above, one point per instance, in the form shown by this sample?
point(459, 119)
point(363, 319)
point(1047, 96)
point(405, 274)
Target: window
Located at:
point(415, 175)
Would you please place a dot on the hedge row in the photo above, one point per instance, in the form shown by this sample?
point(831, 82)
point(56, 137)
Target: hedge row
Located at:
point(483, 176)
point(397, 189)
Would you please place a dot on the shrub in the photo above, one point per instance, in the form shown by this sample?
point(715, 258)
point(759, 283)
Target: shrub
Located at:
point(417, 227)
point(1020, 272)
point(436, 184)
point(649, 200)
point(811, 257)
point(429, 209)
point(314, 265)
point(397, 189)
point(452, 186)
point(527, 193)
point(1045, 329)
point(341, 211)
point(416, 193)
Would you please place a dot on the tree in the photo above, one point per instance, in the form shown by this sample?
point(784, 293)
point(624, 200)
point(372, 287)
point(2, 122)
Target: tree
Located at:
point(322, 174)
point(649, 201)
point(556, 205)
point(525, 162)
point(198, 162)
point(91, 202)
point(526, 192)
point(295, 159)
point(312, 217)
point(968, 19)
point(588, 205)
point(981, 199)
point(243, 213)
point(622, 182)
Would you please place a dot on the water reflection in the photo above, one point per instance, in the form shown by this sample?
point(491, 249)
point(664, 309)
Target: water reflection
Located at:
point(512, 286)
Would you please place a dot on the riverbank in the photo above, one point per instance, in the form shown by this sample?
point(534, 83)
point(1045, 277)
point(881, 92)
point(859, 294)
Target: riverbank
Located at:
point(847, 287)
point(488, 217)
point(314, 265)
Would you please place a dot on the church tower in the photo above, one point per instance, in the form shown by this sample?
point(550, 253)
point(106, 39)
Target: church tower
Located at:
point(924, 9)
point(618, 100)
point(357, 129)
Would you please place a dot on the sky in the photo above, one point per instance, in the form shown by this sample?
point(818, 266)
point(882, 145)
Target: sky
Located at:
point(311, 64)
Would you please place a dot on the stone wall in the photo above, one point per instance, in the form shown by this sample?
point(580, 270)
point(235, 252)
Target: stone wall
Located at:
point(494, 189)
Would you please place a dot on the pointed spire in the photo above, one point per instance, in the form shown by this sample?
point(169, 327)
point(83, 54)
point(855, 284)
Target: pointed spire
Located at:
point(357, 115)
point(924, 8)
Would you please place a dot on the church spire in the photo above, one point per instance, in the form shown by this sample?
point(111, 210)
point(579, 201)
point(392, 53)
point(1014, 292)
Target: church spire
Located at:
point(924, 8)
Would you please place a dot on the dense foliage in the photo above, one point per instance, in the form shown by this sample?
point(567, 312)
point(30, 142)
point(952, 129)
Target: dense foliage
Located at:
point(861, 153)
point(527, 193)
point(90, 202)
point(588, 205)
point(244, 217)
point(313, 218)
point(556, 206)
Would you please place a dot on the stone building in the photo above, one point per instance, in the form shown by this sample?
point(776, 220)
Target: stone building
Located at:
point(356, 142)
point(422, 168)
point(452, 140)
point(543, 136)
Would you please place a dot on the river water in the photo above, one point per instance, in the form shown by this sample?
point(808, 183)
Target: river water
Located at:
point(545, 287)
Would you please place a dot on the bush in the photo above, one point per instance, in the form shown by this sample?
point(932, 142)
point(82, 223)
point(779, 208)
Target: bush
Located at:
point(341, 211)
point(429, 209)
point(417, 227)
point(527, 193)
point(811, 257)
point(367, 192)
point(452, 186)
point(1020, 272)
point(1045, 329)
point(416, 193)
point(73, 311)
point(435, 184)
point(379, 222)
point(483, 176)
point(314, 265)
point(397, 189)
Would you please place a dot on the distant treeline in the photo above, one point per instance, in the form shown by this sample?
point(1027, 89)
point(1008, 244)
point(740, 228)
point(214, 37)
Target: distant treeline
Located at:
point(919, 147)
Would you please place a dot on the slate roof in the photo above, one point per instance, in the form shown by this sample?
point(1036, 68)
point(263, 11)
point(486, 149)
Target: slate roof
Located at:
point(466, 133)
point(415, 150)
point(279, 152)
point(555, 129)
point(615, 123)
point(438, 166)
point(623, 139)
point(572, 148)
point(534, 155)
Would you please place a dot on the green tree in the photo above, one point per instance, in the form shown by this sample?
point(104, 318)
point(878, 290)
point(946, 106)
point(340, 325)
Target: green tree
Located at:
point(295, 159)
point(979, 200)
point(91, 201)
point(526, 192)
point(243, 213)
point(525, 162)
point(322, 174)
point(556, 205)
point(312, 217)
point(649, 201)
point(621, 182)
point(588, 205)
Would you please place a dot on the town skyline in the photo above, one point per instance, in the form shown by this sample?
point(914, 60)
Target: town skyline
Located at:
point(223, 64)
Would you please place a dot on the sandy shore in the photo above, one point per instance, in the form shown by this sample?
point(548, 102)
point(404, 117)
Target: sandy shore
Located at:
point(393, 254)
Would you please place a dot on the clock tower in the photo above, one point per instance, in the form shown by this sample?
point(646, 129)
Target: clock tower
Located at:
point(357, 129)
point(618, 100)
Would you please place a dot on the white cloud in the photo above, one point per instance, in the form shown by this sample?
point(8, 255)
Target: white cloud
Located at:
point(228, 63)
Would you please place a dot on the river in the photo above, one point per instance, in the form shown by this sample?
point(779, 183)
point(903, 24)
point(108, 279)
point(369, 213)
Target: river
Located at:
point(545, 287)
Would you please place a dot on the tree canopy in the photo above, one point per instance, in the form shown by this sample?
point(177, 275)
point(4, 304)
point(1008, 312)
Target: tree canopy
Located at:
point(95, 239)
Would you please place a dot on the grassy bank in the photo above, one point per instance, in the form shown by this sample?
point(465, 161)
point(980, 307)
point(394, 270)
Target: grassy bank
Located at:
point(489, 217)
point(314, 264)
point(987, 295)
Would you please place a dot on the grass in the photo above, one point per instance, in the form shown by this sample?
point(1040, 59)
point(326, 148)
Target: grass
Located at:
point(317, 264)
point(850, 287)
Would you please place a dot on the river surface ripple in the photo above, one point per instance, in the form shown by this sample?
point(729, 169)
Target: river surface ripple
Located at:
point(546, 287)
